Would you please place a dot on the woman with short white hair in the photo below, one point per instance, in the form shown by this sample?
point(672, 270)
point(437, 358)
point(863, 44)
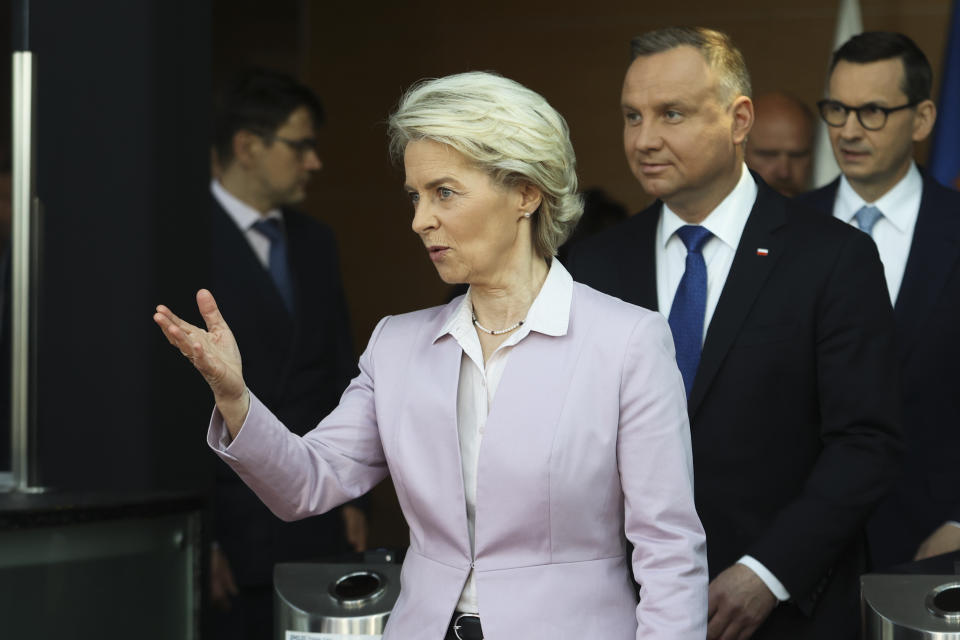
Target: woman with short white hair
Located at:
point(531, 427)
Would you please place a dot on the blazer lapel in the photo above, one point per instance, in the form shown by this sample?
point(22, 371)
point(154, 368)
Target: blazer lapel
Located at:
point(747, 275)
point(933, 256)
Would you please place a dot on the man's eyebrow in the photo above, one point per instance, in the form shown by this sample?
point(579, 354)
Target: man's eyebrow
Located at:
point(662, 106)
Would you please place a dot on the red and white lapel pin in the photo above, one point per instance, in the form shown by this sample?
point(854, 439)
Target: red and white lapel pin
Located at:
point(762, 252)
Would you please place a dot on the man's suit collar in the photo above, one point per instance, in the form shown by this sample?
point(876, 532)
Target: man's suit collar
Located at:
point(234, 259)
point(242, 214)
point(750, 269)
point(759, 250)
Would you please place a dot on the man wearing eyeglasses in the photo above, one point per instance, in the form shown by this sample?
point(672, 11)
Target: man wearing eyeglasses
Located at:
point(277, 276)
point(878, 108)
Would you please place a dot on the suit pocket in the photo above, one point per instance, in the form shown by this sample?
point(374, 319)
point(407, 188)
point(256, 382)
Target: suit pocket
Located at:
point(766, 334)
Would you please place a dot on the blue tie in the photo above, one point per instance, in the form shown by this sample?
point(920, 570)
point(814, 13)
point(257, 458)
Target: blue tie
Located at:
point(279, 268)
point(690, 304)
point(866, 217)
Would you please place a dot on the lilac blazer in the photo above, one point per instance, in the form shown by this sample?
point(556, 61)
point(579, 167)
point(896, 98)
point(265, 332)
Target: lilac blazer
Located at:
point(587, 443)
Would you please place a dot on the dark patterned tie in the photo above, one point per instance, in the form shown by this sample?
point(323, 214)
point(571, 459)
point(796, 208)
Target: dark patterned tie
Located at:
point(279, 267)
point(690, 304)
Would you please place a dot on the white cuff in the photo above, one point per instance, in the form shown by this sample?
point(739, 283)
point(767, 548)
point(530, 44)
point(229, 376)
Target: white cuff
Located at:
point(776, 587)
point(953, 522)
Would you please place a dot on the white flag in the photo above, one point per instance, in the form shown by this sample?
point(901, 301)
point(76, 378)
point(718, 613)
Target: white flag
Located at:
point(849, 24)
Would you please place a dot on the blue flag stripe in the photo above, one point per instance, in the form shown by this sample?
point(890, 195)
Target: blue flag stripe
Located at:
point(945, 152)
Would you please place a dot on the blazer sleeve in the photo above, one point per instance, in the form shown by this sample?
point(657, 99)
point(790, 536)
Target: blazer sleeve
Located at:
point(656, 474)
point(340, 459)
point(859, 405)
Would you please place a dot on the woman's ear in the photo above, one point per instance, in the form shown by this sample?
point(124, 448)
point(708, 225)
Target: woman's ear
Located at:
point(530, 198)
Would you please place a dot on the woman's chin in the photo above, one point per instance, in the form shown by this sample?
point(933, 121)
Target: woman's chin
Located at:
point(450, 278)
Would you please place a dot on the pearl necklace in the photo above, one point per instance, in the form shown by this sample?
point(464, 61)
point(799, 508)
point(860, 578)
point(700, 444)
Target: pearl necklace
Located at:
point(495, 332)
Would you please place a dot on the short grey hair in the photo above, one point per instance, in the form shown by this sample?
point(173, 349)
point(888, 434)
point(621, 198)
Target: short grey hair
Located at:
point(504, 129)
point(716, 47)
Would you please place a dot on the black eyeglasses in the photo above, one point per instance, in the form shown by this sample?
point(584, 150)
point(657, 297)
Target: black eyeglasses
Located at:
point(300, 147)
point(871, 116)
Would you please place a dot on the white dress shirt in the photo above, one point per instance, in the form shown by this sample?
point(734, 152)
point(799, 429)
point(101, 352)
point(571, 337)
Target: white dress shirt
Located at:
point(893, 232)
point(245, 217)
point(549, 314)
point(726, 223)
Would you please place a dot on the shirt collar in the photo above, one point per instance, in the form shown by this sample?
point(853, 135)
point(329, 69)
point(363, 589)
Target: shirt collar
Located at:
point(243, 214)
point(726, 221)
point(549, 314)
point(893, 204)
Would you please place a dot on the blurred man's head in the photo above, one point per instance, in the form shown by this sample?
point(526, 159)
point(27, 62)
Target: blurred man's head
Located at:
point(265, 139)
point(878, 106)
point(686, 112)
point(780, 146)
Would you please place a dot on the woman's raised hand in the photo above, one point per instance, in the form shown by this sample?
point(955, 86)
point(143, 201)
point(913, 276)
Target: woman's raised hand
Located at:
point(214, 353)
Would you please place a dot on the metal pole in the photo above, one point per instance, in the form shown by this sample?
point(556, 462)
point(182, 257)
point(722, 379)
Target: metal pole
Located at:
point(21, 276)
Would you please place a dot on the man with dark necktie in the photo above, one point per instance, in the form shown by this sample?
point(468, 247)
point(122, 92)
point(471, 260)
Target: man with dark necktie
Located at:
point(784, 337)
point(277, 276)
point(878, 107)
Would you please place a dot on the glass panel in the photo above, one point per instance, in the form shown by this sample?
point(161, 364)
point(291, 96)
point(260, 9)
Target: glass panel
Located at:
point(123, 579)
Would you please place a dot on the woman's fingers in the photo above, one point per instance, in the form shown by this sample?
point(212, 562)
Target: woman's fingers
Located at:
point(210, 311)
point(213, 353)
point(182, 335)
point(171, 332)
point(176, 321)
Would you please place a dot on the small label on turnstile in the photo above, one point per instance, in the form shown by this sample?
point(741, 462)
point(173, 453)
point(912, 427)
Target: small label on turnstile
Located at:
point(309, 635)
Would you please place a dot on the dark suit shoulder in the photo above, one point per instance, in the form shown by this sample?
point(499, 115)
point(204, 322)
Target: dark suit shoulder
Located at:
point(942, 201)
point(821, 199)
point(299, 222)
point(809, 226)
point(621, 236)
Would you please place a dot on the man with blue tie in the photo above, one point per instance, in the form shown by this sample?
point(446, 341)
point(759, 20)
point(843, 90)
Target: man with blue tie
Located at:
point(276, 273)
point(784, 337)
point(878, 108)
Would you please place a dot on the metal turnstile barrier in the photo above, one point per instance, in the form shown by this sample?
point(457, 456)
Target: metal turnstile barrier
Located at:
point(313, 599)
point(910, 607)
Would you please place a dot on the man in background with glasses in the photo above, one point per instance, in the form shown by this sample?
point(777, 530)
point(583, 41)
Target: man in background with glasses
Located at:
point(277, 277)
point(878, 108)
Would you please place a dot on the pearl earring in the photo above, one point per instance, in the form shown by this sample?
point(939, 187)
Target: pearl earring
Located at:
point(528, 214)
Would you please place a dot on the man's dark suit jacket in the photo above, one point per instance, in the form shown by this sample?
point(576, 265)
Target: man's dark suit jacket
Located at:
point(793, 410)
point(927, 312)
point(298, 365)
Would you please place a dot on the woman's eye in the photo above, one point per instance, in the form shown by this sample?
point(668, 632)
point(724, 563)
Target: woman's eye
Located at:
point(444, 192)
point(414, 197)
point(632, 117)
point(673, 115)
